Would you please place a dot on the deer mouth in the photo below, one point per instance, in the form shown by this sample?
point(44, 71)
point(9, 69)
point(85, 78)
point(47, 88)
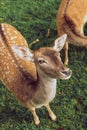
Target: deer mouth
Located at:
point(65, 74)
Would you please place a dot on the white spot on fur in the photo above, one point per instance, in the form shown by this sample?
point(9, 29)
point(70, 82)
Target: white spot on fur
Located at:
point(2, 25)
point(15, 32)
point(12, 38)
point(85, 19)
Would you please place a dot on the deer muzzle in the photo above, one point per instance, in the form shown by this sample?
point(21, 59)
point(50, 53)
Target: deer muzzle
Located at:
point(66, 73)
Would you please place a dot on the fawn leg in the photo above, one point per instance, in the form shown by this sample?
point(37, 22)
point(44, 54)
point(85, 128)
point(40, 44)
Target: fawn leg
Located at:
point(66, 53)
point(51, 114)
point(36, 118)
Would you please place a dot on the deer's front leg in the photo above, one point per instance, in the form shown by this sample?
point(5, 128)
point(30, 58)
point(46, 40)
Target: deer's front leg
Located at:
point(36, 118)
point(51, 114)
point(66, 53)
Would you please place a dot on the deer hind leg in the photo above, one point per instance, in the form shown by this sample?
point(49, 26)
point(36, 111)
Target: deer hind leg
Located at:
point(51, 114)
point(36, 118)
point(66, 53)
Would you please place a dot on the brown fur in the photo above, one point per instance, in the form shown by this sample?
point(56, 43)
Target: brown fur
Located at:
point(71, 18)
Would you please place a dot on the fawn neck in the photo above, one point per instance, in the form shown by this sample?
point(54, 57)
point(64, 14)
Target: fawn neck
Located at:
point(45, 80)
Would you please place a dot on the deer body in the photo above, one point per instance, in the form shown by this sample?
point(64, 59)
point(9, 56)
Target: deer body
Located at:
point(30, 76)
point(71, 18)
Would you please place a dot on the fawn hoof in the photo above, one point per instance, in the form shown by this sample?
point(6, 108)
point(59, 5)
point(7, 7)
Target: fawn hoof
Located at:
point(53, 117)
point(37, 123)
point(56, 120)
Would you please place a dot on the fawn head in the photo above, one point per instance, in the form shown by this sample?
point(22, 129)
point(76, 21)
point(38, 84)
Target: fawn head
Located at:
point(47, 59)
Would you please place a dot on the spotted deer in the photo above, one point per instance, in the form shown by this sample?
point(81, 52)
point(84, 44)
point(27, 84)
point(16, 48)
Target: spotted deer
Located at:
point(71, 18)
point(31, 75)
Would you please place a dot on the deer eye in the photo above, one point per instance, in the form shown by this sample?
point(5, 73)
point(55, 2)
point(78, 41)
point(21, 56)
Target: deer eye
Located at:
point(41, 61)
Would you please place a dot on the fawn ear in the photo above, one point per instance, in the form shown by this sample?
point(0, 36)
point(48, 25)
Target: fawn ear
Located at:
point(59, 42)
point(23, 52)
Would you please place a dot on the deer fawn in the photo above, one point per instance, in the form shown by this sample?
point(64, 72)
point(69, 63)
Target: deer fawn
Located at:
point(31, 75)
point(71, 18)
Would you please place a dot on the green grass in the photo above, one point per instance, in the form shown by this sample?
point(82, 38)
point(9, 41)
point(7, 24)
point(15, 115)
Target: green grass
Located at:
point(33, 18)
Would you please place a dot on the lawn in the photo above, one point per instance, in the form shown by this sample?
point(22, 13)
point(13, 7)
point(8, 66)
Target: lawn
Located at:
point(33, 18)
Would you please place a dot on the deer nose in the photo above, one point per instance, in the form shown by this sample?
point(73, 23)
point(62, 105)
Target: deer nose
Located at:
point(67, 72)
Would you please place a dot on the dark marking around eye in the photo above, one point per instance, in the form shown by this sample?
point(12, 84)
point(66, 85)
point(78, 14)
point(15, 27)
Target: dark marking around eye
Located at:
point(41, 61)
